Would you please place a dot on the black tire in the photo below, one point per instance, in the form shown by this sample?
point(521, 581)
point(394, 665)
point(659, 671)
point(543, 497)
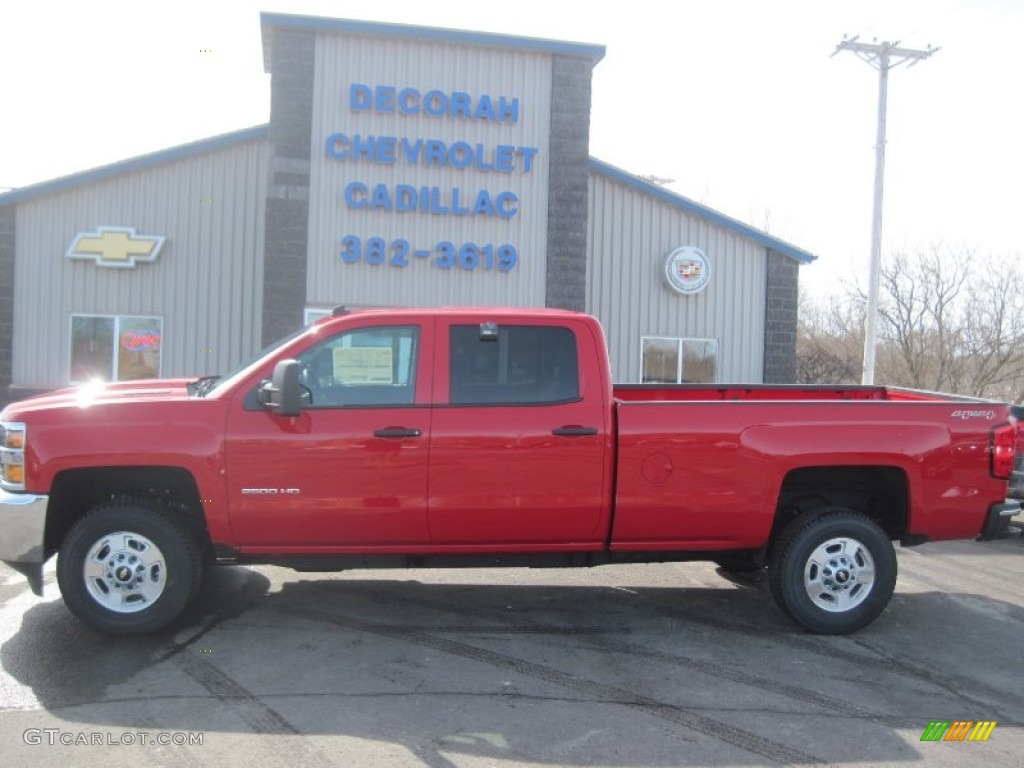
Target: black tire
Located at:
point(830, 594)
point(152, 574)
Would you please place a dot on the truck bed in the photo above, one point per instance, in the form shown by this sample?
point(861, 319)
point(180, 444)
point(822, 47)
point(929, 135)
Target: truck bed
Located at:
point(733, 392)
point(695, 471)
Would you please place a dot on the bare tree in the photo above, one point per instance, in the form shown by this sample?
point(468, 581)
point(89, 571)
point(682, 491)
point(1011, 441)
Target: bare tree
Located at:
point(921, 308)
point(949, 321)
point(829, 341)
point(993, 338)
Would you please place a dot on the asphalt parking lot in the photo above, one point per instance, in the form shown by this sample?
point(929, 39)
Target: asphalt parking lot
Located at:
point(652, 665)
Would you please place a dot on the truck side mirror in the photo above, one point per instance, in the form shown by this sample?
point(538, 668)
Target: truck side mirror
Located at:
point(283, 394)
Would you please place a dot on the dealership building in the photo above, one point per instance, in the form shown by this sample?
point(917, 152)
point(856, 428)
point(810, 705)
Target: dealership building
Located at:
point(402, 166)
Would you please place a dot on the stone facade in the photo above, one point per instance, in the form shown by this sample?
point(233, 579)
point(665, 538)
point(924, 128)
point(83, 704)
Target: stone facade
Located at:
point(781, 301)
point(8, 218)
point(286, 232)
point(567, 183)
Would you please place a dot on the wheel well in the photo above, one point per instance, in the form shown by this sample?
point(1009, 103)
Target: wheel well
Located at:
point(881, 493)
point(76, 491)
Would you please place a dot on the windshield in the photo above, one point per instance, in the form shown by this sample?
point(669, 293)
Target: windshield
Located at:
point(214, 385)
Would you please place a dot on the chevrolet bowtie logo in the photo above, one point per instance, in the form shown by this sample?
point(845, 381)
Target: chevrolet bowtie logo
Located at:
point(115, 247)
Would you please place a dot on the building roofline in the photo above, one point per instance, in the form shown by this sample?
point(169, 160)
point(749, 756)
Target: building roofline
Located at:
point(142, 162)
point(268, 21)
point(684, 203)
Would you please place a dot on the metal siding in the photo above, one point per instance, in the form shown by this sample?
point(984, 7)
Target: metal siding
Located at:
point(433, 35)
point(204, 284)
point(343, 60)
point(629, 235)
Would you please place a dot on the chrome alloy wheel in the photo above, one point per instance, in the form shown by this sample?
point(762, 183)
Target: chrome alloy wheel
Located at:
point(839, 574)
point(125, 572)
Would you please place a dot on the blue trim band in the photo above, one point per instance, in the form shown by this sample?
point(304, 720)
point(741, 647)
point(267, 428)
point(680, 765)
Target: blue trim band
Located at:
point(142, 162)
point(380, 29)
point(684, 203)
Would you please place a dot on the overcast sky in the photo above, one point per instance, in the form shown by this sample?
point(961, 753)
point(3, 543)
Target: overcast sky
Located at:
point(738, 101)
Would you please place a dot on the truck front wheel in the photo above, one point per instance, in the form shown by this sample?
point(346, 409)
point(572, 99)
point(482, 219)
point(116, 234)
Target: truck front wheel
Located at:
point(834, 573)
point(129, 567)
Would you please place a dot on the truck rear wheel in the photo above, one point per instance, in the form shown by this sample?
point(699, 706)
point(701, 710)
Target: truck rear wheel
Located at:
point(129, 568)
point(834, 573)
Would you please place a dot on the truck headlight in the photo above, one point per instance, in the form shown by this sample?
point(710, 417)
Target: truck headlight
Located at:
point(12, 456)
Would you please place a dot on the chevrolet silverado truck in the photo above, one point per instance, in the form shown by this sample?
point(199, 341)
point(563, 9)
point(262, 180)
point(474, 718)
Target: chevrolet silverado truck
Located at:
point(487, 437)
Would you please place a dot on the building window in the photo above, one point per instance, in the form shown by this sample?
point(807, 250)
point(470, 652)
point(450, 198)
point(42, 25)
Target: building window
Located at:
point(678, 361)
point(523, 364)
point(311, 314)
point(114, 348)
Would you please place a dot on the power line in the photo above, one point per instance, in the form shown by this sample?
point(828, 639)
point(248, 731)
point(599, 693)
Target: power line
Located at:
point(883, 57)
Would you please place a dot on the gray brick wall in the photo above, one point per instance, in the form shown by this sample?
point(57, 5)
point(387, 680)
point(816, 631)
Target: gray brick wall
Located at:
point(8, 217)
point(781, 298)
point(567, 183)
point(287, 211)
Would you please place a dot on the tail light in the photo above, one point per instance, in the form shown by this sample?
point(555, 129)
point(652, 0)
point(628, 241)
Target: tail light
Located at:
point(1004, 445)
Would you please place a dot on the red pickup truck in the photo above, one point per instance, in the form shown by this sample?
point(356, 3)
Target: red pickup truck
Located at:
point(483, 437)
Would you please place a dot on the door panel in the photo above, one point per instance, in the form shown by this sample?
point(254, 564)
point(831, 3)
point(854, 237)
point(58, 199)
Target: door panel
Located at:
point(518, 451)
point(351, 469)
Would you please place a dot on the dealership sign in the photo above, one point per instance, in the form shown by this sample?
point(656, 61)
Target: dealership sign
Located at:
point(115, 247)
point(687, 270)
point(503, 159)
point(498, 165)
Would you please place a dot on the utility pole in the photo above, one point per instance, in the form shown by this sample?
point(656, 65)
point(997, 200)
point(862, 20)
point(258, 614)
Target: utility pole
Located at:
point(883, 57)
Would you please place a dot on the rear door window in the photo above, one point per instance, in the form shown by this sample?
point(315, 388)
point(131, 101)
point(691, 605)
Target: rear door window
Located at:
point(520, 365)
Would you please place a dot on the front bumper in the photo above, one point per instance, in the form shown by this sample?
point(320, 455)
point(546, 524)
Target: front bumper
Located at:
point(998, 517)
point(22, 531)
